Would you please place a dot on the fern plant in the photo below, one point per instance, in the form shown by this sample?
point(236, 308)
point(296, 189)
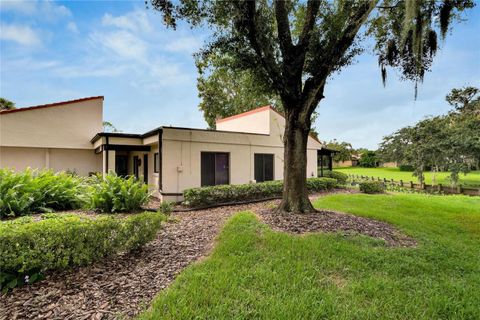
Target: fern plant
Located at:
point(112, 193)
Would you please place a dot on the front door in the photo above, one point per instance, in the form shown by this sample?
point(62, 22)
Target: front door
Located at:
point(145, 168)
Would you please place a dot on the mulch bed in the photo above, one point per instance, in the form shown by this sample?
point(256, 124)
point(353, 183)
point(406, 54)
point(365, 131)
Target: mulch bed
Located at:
point(329, 221)
point(123, 286)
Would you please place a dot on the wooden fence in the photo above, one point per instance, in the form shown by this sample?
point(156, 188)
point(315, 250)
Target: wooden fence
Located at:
point(417, 186)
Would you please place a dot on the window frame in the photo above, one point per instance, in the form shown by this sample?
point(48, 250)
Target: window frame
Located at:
point(263, 160)
point(215, 153)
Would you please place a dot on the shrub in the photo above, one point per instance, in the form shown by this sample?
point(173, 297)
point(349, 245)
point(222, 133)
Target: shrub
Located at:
point(112, 193)
point(339, 176)
point(372, 187)
point(406, 167)
point(166, 207)
point(30, 191)
point(29, 248)
point(244, 192)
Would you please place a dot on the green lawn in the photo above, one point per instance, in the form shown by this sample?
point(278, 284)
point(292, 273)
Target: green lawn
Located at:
point(472, 179)
point(256, 273)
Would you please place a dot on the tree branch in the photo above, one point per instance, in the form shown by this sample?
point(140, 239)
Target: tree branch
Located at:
point(311, 14)
point(261, 46)
point(283, 28)
point(335, 50)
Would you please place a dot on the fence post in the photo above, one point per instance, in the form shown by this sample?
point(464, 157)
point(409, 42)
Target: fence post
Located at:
point(460, 189)
point(411, 185)
point(440, 188)
point(401, 183)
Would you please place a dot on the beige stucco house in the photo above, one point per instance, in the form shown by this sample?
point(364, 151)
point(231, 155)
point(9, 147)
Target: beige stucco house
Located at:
point(245, 148)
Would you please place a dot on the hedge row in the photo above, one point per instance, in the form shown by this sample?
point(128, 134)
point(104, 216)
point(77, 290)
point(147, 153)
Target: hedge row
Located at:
point(205, 196)
point(56, 242)
point(339, 176)
point(32, 191)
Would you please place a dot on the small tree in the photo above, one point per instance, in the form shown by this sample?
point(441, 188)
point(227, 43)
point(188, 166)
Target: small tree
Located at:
point(6, 104)
point(368, 159)
point(344, 150)
point(109, 127)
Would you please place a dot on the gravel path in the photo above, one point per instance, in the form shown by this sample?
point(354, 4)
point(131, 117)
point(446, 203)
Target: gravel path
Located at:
point(123, 286)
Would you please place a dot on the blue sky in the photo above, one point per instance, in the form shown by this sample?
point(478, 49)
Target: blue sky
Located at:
point(54, 51)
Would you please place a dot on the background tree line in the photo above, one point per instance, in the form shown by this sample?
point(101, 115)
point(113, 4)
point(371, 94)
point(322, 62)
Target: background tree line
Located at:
point(448, 142)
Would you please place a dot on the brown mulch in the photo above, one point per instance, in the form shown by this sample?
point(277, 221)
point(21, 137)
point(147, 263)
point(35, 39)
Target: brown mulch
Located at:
point(123, 286)
point(126, 284)
point(330, 221)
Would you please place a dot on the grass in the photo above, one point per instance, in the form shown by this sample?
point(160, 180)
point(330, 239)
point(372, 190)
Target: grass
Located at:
point(256, 273)
point(472, 179)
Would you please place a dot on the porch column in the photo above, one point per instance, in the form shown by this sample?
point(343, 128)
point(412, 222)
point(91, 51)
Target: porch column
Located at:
point(111, 160)
point(108, 161)
point(321, 165)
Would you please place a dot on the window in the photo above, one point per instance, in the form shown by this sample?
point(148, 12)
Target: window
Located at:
point(156, 162)
point(263, 167)
point(215, 168)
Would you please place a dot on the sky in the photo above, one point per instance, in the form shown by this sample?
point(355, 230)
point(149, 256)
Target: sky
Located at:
point(53, 51)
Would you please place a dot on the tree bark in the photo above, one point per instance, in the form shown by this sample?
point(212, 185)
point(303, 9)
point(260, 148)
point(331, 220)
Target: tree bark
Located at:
point(295, 193)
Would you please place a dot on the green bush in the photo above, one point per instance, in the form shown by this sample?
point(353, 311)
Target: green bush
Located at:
point(22, 193)
point(29, 248)
point(245, 192)
point(372, 187)
point(406, 167)
point(339, 176)
point(166, 207)
point(112, 193)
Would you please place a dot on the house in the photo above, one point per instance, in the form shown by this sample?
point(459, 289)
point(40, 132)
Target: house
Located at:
point(353, 162)
point(245, 148)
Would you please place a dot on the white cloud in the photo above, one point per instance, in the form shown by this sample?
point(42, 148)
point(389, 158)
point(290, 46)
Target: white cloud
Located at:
point(42, 9)
point(23, 7)
point(121, 43)
point(20, 34)
point(136, 21)
point(72, 26)
point(184, 44)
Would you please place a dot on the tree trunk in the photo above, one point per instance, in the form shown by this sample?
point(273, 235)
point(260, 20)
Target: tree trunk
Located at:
point(295, 195)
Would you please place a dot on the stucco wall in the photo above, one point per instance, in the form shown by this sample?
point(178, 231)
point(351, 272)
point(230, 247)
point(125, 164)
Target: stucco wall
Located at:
point(68, 126)
point(255, 122)
point(182, 151)
point(81, 161)
point(341, 164)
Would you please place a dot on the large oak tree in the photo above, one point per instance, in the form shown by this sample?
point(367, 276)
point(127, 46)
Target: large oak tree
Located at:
point(295, 46)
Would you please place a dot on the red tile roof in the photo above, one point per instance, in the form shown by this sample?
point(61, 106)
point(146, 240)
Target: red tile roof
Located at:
point(50, 105)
